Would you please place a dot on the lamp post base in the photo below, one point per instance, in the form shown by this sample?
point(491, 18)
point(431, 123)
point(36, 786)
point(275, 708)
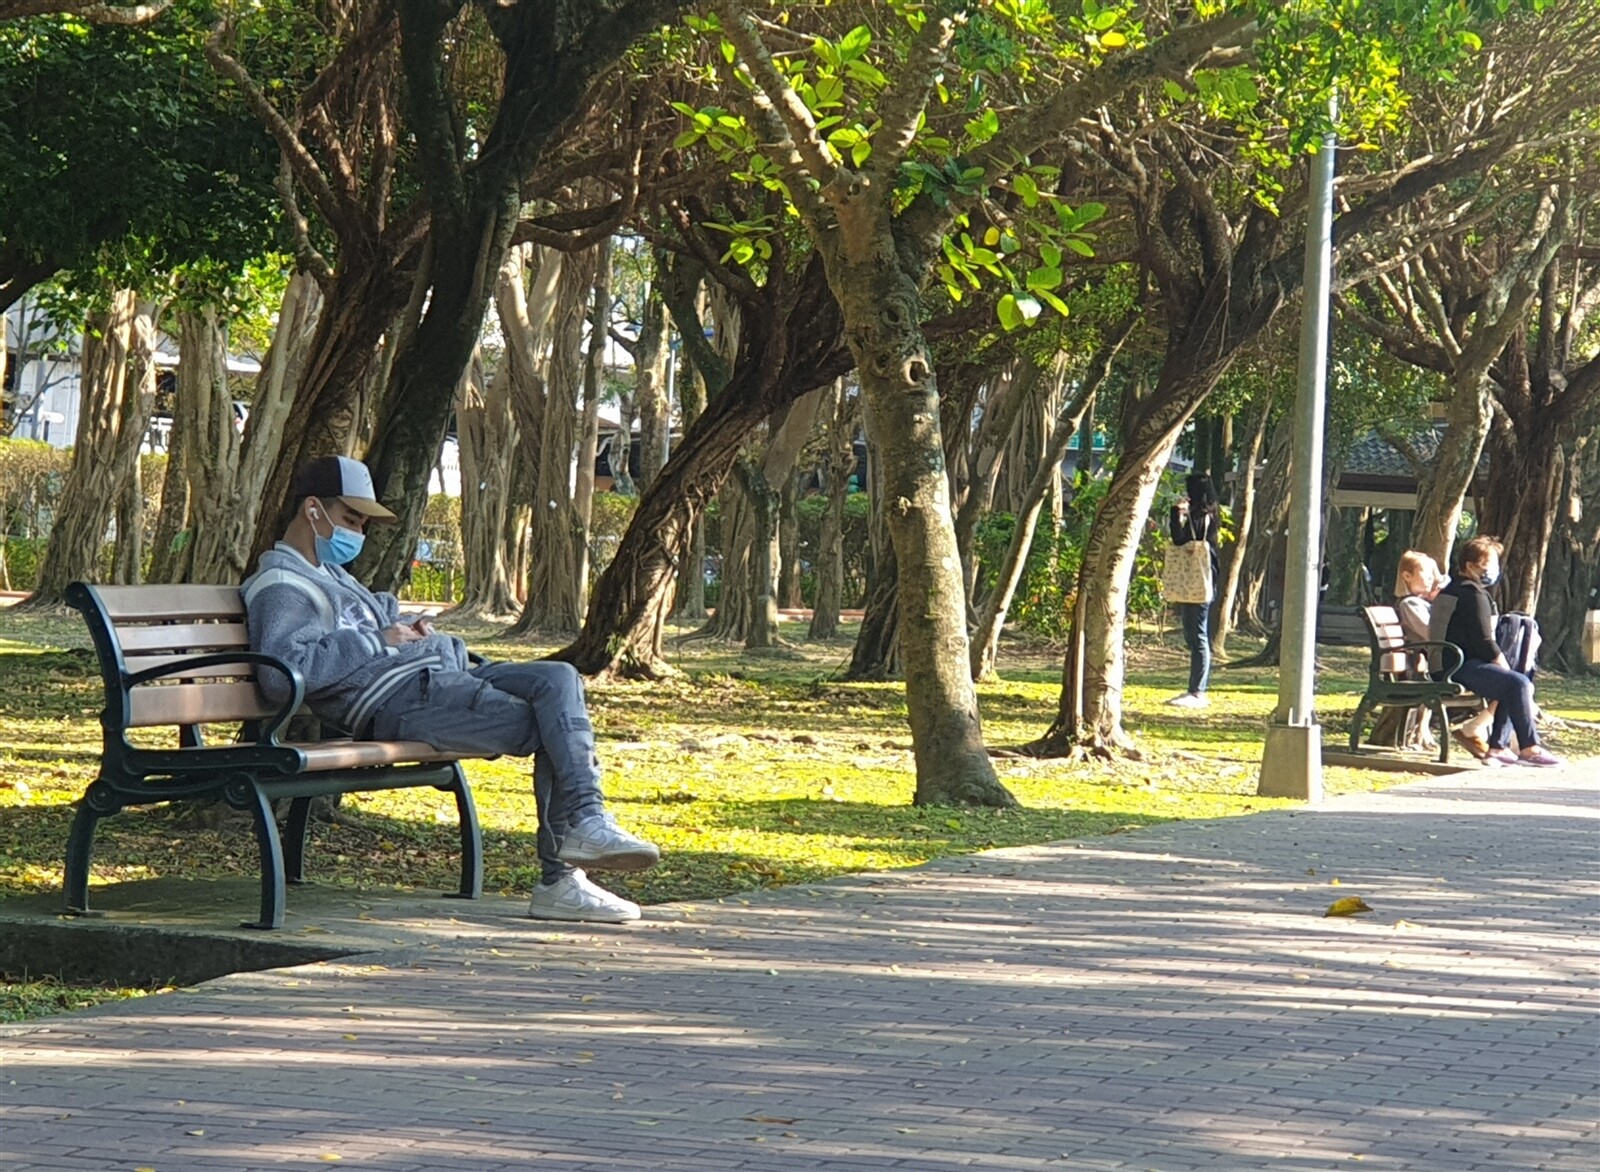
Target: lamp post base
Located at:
point(1291, 765)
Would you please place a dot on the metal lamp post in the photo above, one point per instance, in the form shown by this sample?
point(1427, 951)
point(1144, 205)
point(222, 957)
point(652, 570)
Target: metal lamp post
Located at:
point(1291, 765)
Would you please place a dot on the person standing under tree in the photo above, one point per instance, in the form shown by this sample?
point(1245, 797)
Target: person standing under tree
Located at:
point(1196, 517)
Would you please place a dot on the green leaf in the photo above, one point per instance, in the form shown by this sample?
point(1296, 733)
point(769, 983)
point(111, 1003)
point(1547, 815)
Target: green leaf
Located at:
point(1053, 301)
point(728, 52)
point(1050, 254)
point(1047, 278)
point(1175, 91)
point(861, 152)
point(1010, 316)
point(1078, 246)
point(1027, 189)
point(984, 127)
point(1103, 20)
point(855, 42)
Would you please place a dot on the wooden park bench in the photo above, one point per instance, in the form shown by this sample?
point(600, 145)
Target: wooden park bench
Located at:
point(1399, 677)
point(179, 656)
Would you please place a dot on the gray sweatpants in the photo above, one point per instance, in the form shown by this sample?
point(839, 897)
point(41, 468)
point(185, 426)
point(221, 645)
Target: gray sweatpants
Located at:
point(521, 709)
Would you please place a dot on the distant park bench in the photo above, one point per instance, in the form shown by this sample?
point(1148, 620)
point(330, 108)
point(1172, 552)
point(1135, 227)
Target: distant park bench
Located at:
point(180, 656)
point(1399, 677)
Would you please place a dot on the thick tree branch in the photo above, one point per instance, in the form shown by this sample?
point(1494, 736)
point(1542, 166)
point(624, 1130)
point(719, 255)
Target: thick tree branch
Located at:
point(924, 223)
point(782, 117)
point(900, 106)
point(300, 160)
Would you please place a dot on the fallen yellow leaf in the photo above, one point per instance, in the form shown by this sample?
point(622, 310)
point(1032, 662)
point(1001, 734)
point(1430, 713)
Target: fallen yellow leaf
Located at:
point(1350, 905)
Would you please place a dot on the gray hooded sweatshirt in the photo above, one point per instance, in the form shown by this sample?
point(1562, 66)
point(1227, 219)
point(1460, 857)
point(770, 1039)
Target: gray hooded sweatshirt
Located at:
point(329, 627)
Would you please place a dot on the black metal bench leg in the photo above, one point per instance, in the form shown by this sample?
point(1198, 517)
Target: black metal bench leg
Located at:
point(246, 795)
point(1444, 731)
point(1358, 723)
point(294, 844)
point(471, 839)
point(98, 802)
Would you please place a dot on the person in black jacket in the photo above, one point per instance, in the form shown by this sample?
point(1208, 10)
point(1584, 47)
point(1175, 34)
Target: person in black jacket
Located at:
point(1463, 614)
point(1196, 518)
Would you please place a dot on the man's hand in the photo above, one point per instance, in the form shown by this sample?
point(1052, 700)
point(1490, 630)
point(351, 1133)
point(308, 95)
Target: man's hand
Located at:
point(402, 633)
point(422, 627)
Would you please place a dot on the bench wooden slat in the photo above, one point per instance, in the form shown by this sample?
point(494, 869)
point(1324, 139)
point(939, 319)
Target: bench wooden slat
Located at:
point(155, 603)
point(154, 704)
point(239, 671)
point(325, 755)
point(175, 637)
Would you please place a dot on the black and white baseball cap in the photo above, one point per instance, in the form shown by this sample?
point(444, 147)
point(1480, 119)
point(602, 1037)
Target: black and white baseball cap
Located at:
point(342, 477)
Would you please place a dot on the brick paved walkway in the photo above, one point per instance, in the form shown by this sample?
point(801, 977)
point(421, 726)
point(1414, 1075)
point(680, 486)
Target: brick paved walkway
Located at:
point(1170, 999)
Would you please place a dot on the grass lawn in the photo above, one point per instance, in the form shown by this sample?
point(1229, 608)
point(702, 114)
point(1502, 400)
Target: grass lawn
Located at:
point(750, 771)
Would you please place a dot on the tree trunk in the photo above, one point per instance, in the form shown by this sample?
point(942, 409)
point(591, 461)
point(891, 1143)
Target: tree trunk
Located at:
point(1572, 571)
point(553, 602)
point(1442, 491)
point(829, 566)
point(876, 655)
point(589, 439)
point(1269, 519)
point(789, 344)
point(211, 455)
point(1089, 716)
point(102, 455)
point(525, 315)
point(691, 578)
point(172, 544)
point(620, 455)
point(359, 306)
point(1244, 519)
point(1001, 414)
point(881, 308)
point(650, 386)
point(127, 564)
point(467, 249)
point(264, 432)
point(791, 593)
point(487, 433)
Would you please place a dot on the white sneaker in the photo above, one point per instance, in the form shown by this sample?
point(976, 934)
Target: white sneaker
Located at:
point(1189, 700)
point(572, 897)
point(600, 843)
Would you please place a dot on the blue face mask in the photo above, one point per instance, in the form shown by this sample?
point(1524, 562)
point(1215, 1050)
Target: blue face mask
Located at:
point(341, 548)
point(1491, 575)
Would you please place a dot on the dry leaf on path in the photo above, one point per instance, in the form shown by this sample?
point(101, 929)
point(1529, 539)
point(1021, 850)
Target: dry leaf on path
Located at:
point(1350, 905)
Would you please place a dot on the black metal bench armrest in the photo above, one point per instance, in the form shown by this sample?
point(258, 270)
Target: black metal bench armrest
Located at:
point(269, 728)
point(477, 660)
point(1447, 676)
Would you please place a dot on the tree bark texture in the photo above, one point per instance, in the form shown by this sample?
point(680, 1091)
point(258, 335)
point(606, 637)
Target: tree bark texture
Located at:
point(102, 453)
point(881, 309)
point(553, 602)
point(1572, 570)
point(840, 409)
point(789, 343)
point(589, 437)
point(361, 303)
point(1046, 475)
point(1244, 521)
point(650, 387)
point(487, 433)
point(282, 368)
point(211, 455)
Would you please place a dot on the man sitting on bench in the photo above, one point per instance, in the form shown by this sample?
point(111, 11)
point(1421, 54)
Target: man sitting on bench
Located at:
point(381, 679)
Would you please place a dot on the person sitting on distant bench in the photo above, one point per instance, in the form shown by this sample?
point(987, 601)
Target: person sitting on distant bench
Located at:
point(1463, 614)
point(379, 678)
